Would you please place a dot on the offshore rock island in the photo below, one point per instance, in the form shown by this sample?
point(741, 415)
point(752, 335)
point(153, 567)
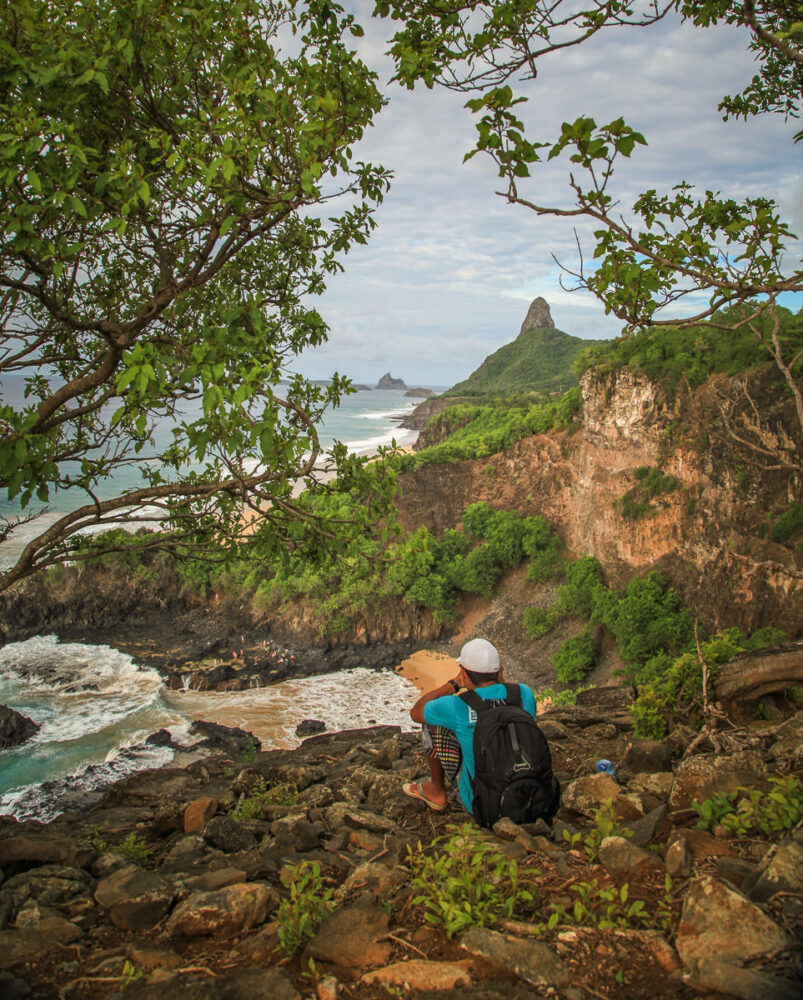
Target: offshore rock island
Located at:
point(601, 513)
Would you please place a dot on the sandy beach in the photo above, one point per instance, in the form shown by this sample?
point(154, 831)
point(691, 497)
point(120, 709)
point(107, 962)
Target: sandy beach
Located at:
point(428, 670)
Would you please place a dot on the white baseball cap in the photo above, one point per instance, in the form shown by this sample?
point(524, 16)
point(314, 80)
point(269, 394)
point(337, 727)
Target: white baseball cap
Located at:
point(480, 657)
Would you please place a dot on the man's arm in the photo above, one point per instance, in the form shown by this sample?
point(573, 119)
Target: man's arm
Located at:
point(417, 711)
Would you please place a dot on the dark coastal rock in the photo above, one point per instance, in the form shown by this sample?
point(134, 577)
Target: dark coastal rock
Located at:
point(227, 835)
point(308, 727)
point(43, 848)
point(701, 776)
point(388, 382)
point(13, 988)
point(646, 757)
point(229, 739)
point(135, 899)
point(255, 984)
point(15, 728)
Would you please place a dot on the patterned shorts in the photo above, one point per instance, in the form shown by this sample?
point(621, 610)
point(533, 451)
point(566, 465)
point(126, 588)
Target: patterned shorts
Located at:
point(442, 744)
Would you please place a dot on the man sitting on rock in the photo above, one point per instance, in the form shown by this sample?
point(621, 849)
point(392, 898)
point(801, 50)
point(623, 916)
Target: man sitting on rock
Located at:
point(449, 724)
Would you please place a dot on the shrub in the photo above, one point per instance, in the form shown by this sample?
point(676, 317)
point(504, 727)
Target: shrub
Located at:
point(300, 913)
point(749, 810)
point(539, 621)
point(583, 584)
point(648, 622)
point(575, 657)
point(465, 882)
point(789, 525)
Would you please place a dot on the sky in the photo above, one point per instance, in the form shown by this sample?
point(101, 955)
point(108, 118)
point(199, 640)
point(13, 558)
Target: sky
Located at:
point(447, 276)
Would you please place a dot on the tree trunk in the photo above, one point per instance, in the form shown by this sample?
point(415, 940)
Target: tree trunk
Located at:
point(752, 675)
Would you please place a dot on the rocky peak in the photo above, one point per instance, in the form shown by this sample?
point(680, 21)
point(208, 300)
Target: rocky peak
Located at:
point(538, 316)
point(388, 382)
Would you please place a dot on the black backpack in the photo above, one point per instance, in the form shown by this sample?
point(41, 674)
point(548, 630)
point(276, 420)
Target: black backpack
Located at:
point(512, 763)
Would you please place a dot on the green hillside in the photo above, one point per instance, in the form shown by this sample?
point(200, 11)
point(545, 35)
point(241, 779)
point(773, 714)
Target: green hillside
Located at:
point(539, 360)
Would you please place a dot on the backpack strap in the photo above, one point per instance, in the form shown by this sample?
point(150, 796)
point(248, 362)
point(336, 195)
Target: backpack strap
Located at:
point(513, 695)
point(473, 700)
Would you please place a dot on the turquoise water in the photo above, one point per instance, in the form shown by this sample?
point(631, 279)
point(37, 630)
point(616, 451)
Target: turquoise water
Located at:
point(96, 707)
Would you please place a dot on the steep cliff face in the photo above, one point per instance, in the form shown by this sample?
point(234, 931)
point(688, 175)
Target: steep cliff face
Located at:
point(702, 528)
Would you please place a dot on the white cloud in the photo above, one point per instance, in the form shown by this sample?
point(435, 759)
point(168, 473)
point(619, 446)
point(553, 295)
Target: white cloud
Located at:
point(447, 276)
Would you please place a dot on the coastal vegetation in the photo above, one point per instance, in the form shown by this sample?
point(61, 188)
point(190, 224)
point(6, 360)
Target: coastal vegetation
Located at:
point(479, 430)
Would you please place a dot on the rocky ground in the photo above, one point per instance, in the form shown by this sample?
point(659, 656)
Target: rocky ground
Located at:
point(177, 885)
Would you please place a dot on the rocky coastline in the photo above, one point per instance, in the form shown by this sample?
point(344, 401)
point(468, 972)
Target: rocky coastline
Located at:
point(177, 884)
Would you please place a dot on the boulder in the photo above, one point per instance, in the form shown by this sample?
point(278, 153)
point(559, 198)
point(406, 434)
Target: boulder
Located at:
point(13, 988)
point(420, 974)
point(646, 756)
point(198, 813)
point(17, 947)
point(532, 961)
point(717, 920)
point(15, 728)
point(50, 885)
point(587, 794)
point(390, 750)
point(43, 848)
point(712, 973)
point(658, 783)
point(297, 832)
point(553, 730)
point(678, 859)
point(136, 899)
point(699, 777)
point(343, 814)
point(624, 860)
point(229, 739)
point(780, 870)
point(227, 835)
point(352, 937)
point(219, 878)
point(224, 913)
point(645, 829)
point(788, 743)
point(308, 727)
point(702, 845)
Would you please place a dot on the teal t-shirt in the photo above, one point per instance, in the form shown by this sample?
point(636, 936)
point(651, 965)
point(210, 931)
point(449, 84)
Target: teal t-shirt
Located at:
point(453, 713)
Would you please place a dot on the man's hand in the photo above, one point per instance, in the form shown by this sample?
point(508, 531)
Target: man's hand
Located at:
point(417, 711)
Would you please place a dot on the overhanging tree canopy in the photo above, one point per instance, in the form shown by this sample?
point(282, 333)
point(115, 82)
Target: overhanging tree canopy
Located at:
point(165, 171)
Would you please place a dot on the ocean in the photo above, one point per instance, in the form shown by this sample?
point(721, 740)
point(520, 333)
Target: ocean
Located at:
point(96, 706)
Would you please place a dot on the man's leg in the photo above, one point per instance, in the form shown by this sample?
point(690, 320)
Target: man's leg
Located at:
point(435, 788)
point(444, 759)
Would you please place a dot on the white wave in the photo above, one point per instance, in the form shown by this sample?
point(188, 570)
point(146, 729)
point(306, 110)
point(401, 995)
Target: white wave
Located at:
point(45, 800)
point(348, 699)
point(399, 413)
point(72, 689)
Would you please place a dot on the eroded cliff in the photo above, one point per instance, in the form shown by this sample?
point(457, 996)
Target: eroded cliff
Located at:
point(705, 524)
